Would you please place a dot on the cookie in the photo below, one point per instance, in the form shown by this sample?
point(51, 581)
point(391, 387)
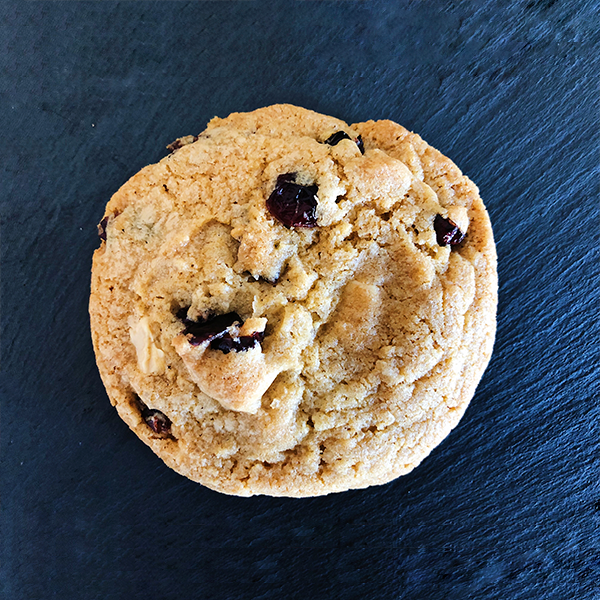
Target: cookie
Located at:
point(292, 306)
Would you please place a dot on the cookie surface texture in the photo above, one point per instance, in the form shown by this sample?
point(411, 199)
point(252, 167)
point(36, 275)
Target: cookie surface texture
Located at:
point(286, 305)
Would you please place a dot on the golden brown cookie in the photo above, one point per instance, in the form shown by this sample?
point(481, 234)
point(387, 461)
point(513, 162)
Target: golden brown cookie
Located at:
point(289, 305)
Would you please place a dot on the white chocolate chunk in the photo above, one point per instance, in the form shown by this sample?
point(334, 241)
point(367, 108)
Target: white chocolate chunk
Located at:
point(151, 360)
point(237, 380)
point(459, 215)
point(380, 177)
point(253, 325)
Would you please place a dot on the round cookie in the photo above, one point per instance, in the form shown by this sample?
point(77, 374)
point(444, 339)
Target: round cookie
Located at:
point(292, 306)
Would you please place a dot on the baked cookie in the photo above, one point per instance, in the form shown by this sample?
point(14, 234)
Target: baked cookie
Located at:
point(292, 306)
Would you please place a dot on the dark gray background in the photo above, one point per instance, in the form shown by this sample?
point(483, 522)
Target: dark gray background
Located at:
point(505, 508)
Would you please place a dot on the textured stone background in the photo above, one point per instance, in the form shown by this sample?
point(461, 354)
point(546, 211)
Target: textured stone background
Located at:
point(507, 506)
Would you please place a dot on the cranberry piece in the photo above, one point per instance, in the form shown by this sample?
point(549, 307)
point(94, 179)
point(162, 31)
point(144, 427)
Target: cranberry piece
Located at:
point(338, 136)
point(335, 138)
point(181, 314)
point(227, 343)
point(292, 204)
point(207, 329)
point(447, 231)
point(215, 330)
point(178, 143)
point(102, 228)
point(157, 421)
point(360, 144)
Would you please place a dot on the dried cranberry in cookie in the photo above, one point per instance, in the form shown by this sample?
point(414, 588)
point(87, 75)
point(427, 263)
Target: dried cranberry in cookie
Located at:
point(181, 142)
point(292, 204)
point(338, 136)
point(157, 421)
point(227, 343)
point(205, 330)
point(215, 330)
point(447, 231)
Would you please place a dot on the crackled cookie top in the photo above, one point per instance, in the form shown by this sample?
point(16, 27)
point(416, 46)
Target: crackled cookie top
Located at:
point(289, 305)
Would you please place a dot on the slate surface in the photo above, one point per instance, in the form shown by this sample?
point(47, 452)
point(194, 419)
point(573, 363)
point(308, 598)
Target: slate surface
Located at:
point(507, 507)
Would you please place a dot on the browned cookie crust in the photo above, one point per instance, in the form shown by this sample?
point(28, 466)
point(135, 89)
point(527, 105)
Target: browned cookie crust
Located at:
point(276, 312)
